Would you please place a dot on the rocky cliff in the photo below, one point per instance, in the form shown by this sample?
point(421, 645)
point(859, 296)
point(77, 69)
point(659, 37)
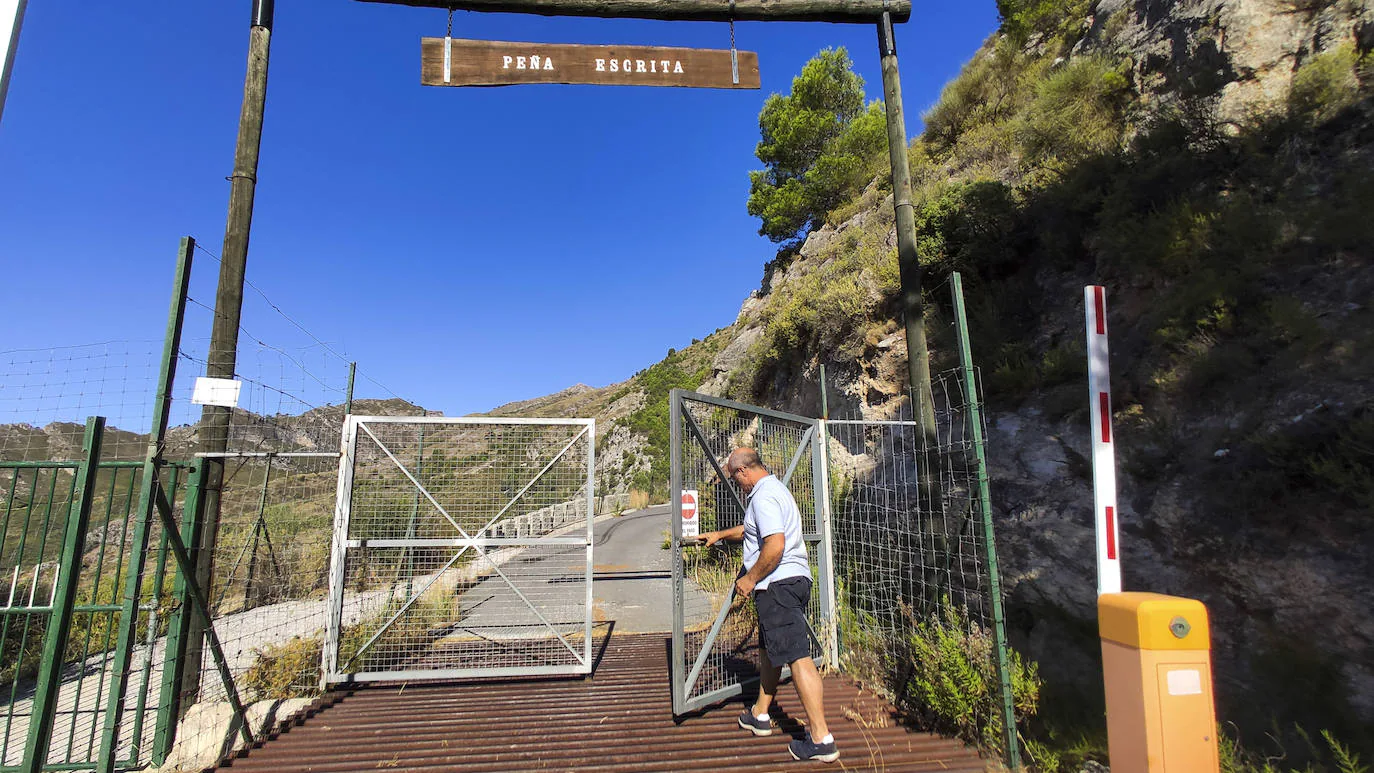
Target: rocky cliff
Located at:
point(1210, 161)
point(1241, 55)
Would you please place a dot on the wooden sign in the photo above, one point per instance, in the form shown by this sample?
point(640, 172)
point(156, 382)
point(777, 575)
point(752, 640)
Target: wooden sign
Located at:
point(454, 62)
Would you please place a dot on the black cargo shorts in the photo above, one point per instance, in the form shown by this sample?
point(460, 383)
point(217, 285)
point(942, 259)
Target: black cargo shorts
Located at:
point(782, 619)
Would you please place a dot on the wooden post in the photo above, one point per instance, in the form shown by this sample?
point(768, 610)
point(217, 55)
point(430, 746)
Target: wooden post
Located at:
point(909, 264)
point(852, 11)
point(224, 335)
point(11, 19)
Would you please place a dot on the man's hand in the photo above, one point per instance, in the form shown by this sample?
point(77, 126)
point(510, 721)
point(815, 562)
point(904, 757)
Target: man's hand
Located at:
point(734, 534)
point(744, 586)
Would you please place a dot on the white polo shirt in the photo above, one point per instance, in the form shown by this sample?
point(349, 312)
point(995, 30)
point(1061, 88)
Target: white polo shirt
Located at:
point(772, 510)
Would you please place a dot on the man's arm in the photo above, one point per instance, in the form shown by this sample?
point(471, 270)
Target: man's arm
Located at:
point(734, 534)
point(770, 555)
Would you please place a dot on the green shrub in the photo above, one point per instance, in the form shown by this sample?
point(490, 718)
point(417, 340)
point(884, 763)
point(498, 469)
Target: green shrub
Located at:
point(831, 308)
point(1325, 85)
point(990, 90)
point(1331, 756)
point(1078, 112)
point(288, 670)
point(1327, 455)
point(954, 685)
point(1060, 20)
point(973, 228)
point(1054, 753)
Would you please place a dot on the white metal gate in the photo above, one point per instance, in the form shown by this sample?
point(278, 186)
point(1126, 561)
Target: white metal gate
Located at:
point(715, 635)
point(462, 548)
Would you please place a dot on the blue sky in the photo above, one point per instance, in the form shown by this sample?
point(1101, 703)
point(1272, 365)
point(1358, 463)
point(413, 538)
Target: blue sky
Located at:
point(468, 247)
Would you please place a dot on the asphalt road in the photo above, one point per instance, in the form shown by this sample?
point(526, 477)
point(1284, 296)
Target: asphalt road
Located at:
point(633, 575)
point(632, 584)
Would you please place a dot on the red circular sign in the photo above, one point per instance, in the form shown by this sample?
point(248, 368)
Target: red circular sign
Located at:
point(689, 506)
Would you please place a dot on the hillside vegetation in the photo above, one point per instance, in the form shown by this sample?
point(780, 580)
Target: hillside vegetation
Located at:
point(1225, 206)
point(1211, 162)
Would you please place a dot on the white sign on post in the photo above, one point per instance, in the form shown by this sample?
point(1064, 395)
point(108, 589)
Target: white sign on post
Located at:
point(216, 391)
point(690, 522)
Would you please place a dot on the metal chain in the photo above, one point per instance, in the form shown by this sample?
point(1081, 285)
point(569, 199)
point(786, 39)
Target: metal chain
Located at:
point(448, 48)
point(732, 25)
point(734, 55)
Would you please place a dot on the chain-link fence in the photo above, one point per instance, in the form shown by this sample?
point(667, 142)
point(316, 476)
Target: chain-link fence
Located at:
point(916, 598)
point(915, 566)
point(269, 551)
point(907, 525)
point(268, 591)
point(45, 397)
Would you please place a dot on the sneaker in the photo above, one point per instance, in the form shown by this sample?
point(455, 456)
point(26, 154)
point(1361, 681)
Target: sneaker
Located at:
point(753, 724)
point(806, 749)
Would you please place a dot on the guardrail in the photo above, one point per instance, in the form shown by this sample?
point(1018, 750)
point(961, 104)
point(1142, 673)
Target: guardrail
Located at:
point(547, 519)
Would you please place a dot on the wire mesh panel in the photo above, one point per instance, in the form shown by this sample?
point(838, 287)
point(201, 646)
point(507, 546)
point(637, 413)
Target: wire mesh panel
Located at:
point(462, 547)
point(715, 634)
point(911, 554)
point(35, 499)
point(906, 526)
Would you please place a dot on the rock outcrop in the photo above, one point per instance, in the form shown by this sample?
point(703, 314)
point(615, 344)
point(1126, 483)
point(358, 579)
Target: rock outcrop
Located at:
point(1238, 56)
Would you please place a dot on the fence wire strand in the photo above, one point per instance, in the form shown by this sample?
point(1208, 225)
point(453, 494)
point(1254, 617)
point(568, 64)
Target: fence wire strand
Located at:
point(910, 548)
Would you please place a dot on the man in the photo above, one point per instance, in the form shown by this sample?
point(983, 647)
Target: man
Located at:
point(778, 574)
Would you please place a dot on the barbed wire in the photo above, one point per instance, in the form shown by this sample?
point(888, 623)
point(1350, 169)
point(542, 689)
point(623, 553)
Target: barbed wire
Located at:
point(277, 349)
point(297, 325)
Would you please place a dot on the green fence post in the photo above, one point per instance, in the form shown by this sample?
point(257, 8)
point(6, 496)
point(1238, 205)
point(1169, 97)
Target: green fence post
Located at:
point(64, 599)
point(999, 631)
point(202, 606)
point(174, 663)
point(348, 397)
point(159, 580)
point(149, 488)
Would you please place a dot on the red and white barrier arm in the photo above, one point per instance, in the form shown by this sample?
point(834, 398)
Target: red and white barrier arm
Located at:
point(1104, 451)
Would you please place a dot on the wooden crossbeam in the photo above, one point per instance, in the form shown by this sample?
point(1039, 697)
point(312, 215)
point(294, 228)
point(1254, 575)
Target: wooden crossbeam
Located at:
point(842, 11)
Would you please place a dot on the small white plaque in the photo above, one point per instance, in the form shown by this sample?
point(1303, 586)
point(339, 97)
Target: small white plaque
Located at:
point(690, 522)
point(1187, 682)
point(216, 391)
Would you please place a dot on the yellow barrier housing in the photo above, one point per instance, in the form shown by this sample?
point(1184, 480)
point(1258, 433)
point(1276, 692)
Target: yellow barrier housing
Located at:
point(1157, 669)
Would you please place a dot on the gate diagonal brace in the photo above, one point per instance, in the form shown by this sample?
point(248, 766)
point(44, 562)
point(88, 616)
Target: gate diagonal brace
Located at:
point(710, 641)
point(435, 578)
point(482, 531)
point(173, 535)
point(414, 597)
point(533, 609)
point(706, 446)
point(413, 480)
point(801, 448)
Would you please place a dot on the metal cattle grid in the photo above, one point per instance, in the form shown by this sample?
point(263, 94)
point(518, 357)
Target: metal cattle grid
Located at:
point(462, 547)
point(714, 648)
